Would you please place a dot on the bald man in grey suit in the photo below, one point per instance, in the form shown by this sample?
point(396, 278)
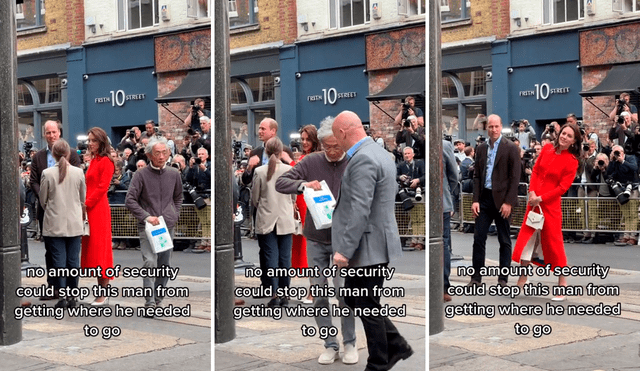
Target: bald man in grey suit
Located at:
point(365, 234)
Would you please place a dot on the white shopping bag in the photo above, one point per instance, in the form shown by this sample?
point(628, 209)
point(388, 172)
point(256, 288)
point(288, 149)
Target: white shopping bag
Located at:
point(320, 205)
point(159, 236)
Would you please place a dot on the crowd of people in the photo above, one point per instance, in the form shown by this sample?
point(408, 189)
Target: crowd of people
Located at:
point(363, 177)
point(72, 191)
point(570, 160)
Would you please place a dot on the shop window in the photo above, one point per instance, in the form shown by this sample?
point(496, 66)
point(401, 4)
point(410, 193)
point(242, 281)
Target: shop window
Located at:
point(30, 14)
point(414, 7)
point(448, 88)
point(134, 14)
point(624, 6)
point(560, 11)
point(48, 90)
point(237, 93)
point(474, 82)
point(242, 13)
point(199, 8)
point(454, 10)
point(261, 88)
point(347, 13)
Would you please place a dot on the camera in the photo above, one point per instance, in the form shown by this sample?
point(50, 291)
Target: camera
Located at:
point(27, 146)
point(527, 158)
point(406, 123)
point(585, 147)
point(622, 192)
point(620, 120)
point(176, 165)
point(480, 139)
point(195, 109)
point(551, 127)
point(405, 110)
point(448, 138)
point(616, 154)
point(195, 196)
point(131, 134)
point(600, 162)
point(193, 132)
point(237, 147)
point(198, 160)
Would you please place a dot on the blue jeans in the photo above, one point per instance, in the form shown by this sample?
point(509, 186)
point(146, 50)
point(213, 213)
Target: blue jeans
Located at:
point(446, 238)
point(65, 253)
point(275, 252)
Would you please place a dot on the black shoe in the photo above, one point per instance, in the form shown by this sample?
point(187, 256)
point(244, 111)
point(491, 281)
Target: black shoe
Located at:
point(399, 356)
point(72, 302)
point(46, 297)
point(588, 240)
point(456, 257)
point(474, 283)
point(284, 302)
point(274, 302)
point(502, 283)
point(62, 303)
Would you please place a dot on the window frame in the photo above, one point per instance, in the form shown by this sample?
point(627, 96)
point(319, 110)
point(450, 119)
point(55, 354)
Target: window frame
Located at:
point(253, 16)
point(194, 4)
point(39, 13)
point(155, 6)
point(465, 13)
point(551, 14)
point(335, 19)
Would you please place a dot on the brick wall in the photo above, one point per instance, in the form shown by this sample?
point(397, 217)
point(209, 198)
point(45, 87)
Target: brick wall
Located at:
point(383, 124)
point(277, 21)
point(64, 21)
point(168, 82)
point(591, 77)
point(488, 18)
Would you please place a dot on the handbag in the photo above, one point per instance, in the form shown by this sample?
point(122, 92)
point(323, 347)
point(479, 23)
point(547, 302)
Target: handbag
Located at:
point(535, 220)
point(297, 221)
point(85, 228)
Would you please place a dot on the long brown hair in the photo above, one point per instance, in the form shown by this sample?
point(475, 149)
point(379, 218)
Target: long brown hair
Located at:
point(312, 133)
point(61, 151)
point(104, 148)
point(273, 147)
point(576, 148)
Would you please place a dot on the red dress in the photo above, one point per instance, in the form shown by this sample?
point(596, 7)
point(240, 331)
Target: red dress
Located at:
point(96, 248)
point(551, 177)
point(299, 243)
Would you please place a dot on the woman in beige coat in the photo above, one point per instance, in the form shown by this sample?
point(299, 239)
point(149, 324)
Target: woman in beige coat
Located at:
point(62, 195)
point(274, 220)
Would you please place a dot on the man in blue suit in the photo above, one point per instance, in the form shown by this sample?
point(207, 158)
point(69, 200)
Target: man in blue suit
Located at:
point(365, 234)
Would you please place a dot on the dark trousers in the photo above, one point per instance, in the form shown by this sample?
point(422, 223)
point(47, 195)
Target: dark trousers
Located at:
point(383, 338)
point(446, 238)
point(489, 213)
point(275, 252)
point(65, 253)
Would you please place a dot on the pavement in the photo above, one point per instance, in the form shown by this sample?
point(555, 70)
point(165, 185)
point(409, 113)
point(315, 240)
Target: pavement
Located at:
point(160, 343)
point(264, 343)
point(472, 340)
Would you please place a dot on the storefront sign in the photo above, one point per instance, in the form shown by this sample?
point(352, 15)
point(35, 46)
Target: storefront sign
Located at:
point(331, 96)
point(119, 97)
point(542, 91)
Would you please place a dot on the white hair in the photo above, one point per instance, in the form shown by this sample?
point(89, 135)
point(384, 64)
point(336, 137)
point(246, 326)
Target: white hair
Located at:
point(325, 129)
point(205, 119)
point(153, 142)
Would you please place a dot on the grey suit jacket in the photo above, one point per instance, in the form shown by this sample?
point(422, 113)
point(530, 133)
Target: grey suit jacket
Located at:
point(62, 202)
point(364, 227)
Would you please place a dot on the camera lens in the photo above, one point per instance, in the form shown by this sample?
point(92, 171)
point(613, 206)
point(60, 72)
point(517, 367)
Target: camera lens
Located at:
point(616, 153)
point(600, 163)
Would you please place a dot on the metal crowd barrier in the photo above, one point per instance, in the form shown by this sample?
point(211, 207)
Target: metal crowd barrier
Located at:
point(192, 224)
point(579, 214)
point(411, 223)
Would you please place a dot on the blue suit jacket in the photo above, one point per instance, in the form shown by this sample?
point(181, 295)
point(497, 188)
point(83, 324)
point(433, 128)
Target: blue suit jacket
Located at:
point(364, 227)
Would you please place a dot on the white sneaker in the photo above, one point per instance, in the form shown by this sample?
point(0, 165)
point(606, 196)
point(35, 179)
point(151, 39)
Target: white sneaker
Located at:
point(328, 356)
point(350, 355)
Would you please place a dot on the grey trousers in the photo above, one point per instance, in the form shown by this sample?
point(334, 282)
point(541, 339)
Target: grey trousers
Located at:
point(152, 260)
point(319, 254)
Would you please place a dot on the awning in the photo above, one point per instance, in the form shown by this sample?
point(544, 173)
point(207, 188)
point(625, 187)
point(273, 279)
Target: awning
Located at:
point(197, 84)
point(621, 78)
point(408, 81)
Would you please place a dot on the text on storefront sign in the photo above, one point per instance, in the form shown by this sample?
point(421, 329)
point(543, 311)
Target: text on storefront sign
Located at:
point(119, 97)
point(331, 96)
point(542, 91)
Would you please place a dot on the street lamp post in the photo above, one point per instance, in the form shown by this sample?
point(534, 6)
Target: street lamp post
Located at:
point(10, 273)
point(224, 253)
point(436, 280)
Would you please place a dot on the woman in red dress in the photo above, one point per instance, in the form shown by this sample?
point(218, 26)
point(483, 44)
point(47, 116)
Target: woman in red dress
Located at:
point(551, 177)
point(96, 248)
point(310, 144)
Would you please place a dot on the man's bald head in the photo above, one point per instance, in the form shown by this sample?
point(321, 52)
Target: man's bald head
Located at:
point(51, 132)
point(268, 129)
point(348, 129)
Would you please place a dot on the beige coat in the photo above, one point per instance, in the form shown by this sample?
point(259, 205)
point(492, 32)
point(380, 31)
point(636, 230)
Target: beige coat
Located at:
point(274, 209)
point(62, 202)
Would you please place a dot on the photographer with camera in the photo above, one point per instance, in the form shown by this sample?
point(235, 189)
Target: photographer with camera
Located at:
point(620, 132)
point(524, 133)
point(622, 176)
point(131, 139)
point(408, 108)
point(199, 176)
point(192, 121)
point(411, 181)
point(551, 131)
point(623, 105)
point(412, 136)
point(467, 169)
point(150, 130)
point(589, 154)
